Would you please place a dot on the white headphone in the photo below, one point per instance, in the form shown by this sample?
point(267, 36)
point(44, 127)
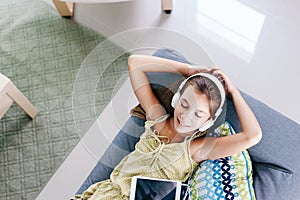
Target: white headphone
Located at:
point(211, 121)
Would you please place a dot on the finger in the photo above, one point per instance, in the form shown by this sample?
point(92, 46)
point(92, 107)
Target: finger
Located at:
point(214, 68)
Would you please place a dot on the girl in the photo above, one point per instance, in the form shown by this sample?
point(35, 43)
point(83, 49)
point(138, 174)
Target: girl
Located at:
point(170, 147)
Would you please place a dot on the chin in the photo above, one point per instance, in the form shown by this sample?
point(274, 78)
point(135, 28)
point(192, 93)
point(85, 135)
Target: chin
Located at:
point(183, 130)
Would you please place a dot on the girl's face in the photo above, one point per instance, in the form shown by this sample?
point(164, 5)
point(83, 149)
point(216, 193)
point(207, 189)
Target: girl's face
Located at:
point(191, 111)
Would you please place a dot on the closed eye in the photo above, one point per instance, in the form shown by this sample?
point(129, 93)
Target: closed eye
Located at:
point(184, 103)
point(198, 115)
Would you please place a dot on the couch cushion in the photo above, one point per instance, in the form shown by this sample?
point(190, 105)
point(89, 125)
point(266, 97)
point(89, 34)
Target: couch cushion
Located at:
point(275, 158)
point(224, 178)
point(273, 182)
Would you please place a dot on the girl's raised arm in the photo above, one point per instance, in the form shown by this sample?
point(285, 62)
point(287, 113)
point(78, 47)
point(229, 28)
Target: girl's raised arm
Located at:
point(138, 65)
point(251, 134)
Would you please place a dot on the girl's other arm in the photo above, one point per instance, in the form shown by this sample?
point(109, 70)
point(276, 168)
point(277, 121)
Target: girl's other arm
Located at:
point(251, 134)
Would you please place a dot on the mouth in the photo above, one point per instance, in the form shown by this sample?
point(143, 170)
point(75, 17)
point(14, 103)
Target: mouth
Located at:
point(181, 124)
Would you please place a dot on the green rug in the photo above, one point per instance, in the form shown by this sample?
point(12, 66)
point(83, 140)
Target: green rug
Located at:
point(42, 53)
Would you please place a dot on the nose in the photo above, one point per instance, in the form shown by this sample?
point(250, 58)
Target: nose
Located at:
point(185, 114)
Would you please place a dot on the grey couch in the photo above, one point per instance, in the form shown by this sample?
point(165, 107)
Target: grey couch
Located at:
point(276, 168)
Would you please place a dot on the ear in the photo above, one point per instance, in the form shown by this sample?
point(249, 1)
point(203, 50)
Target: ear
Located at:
point(175, 99)
point(206, 125)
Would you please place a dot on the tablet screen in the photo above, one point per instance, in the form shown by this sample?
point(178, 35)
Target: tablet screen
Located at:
point(143, 188)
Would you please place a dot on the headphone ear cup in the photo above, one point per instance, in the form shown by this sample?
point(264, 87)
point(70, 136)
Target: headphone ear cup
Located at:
point(206, 125)
point(175, 99)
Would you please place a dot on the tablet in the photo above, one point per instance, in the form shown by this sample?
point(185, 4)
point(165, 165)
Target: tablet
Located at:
point(145, 188)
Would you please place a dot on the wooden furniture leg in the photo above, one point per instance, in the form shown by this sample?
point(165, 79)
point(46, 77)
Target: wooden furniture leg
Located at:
point(5, 104)
point(65, 9)
point(14, 93)
point(167, 6)
point(9, 93)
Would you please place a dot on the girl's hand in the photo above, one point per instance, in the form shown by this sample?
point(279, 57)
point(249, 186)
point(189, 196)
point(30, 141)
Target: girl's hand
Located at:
point(200, 69)
point(230, 88)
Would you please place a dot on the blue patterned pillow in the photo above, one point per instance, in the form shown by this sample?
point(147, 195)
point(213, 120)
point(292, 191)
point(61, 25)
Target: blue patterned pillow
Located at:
point(225, 178)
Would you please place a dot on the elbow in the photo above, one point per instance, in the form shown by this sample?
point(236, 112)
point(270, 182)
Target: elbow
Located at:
point(256, 136)
point(131, 62)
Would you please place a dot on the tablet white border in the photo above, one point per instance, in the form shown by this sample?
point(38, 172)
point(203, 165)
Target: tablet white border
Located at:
point(134, 182)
